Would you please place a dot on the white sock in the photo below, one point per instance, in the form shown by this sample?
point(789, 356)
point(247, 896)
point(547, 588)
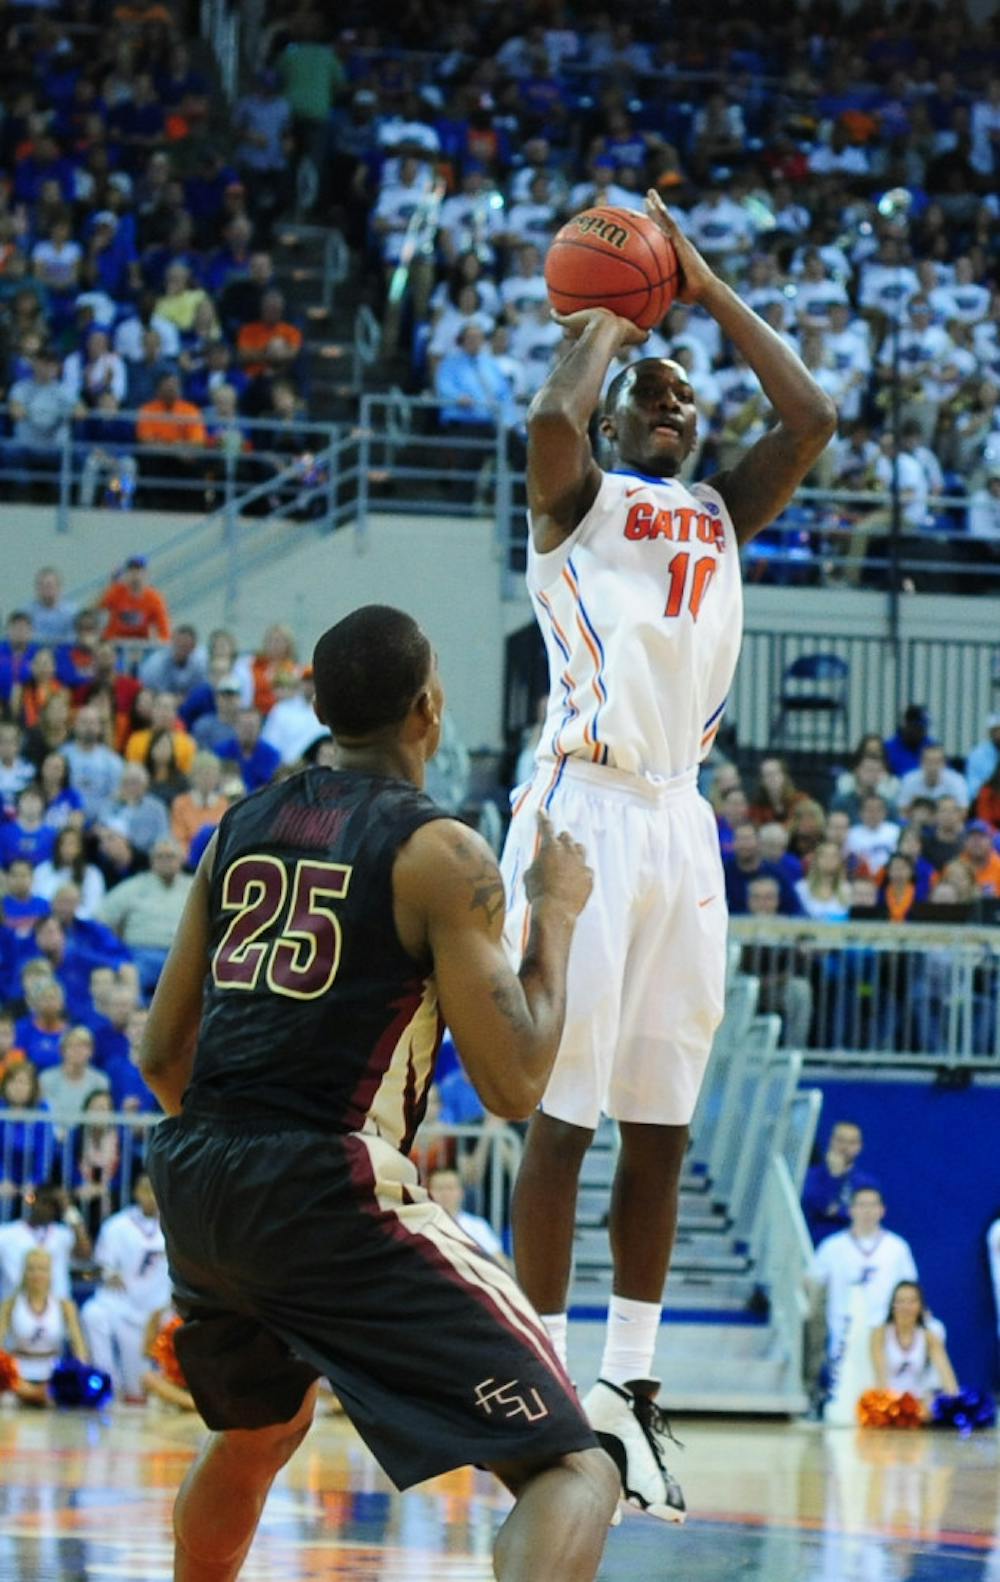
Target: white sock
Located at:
point(630, 1339)
point(556, 1326)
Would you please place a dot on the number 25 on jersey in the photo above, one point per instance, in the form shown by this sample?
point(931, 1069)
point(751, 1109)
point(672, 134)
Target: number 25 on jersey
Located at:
point(302, 955)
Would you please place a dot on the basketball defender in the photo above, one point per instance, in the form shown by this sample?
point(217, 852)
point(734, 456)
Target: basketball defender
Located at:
point(635, 583)
point(334, 919)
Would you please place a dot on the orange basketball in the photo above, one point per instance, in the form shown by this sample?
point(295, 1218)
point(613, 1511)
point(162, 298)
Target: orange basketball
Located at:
point(612, 258)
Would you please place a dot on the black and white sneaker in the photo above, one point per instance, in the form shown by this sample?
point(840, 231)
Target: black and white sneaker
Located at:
point(633, 1429)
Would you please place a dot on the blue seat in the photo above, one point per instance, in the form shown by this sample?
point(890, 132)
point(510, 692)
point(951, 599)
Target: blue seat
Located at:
point(811, 708)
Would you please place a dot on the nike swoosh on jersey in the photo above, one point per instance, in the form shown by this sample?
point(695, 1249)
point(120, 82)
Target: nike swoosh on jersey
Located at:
point(630, 492)
point(706, 900)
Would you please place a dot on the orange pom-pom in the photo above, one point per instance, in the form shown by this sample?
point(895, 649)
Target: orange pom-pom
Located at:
point(889, 1409)
point(165, 1356)
point(10, 1373)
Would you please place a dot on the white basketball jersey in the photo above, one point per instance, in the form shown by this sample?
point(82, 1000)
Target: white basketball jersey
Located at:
point(132, 1247)
point(641, 609)
point(36, 1338)
point(908, 1367)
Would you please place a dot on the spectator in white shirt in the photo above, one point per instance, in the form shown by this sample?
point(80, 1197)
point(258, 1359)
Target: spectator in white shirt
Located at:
point(397, 203)
point(873, 839)
point(472, 219)
point(912, 485)
point(535, 219)
point(984, 509)
point(15, 771)
point(525, 288)
point(600, 190)
point(291, 727)
point(933, 780)
point(865, 1256)
point(52, 616)
point(719, 227)
point(87, 374)
point(984, 126)
point(533, 343)
point(815, 293)
point(129, 339)
point(964, 298)
point(887, 282)
point(839, 157)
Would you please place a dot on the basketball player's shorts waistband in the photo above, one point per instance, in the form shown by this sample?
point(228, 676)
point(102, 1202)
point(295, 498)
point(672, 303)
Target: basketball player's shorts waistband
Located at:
point(648, 790)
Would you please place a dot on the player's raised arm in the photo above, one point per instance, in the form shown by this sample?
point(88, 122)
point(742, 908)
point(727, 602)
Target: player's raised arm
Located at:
point(506, 1025)
point(168, 1044)
point(563, 477)
point(763, 481)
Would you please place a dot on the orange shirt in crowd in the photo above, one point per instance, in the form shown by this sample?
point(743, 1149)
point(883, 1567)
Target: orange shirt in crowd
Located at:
point(988, 806)
point(263, 671)
point(180, 424)
point(988, 876)
point(257, 336)
point(34, 696)
point(185, 748)
point(898, 903)
point(131, 614)
point(188, 815)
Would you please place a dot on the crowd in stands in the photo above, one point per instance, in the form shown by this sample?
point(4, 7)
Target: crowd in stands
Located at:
point(840, 171)
point(123, 740)
point(140, 314)
point(903, 836)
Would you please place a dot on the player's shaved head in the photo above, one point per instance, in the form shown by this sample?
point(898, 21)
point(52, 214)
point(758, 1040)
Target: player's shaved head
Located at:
point(369, 670)
point(622, 383)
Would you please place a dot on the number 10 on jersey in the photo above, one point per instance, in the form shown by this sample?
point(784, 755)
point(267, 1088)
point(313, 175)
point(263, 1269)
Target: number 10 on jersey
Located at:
point(677, 576)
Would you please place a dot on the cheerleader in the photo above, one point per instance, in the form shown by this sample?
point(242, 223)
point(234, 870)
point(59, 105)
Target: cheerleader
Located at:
point(164, 1380)
point(35, 1327)
point(908, 1355)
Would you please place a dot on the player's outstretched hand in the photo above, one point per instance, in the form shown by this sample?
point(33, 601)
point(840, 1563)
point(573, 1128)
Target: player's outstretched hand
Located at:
point(559, 872)
point(574, 325)
point(696, 275)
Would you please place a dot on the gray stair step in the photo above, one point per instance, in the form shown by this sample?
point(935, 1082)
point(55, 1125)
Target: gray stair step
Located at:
point(591, 1251)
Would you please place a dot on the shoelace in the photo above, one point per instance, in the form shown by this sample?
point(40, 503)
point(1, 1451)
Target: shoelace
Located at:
point(656, 1424)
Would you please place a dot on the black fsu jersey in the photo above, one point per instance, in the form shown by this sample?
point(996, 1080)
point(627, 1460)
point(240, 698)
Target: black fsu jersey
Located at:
point(313, 1011)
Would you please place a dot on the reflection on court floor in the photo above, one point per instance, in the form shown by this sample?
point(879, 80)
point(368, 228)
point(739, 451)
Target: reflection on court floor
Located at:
point(90, 1497)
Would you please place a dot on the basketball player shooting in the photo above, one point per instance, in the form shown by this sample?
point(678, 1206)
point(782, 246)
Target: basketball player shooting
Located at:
point(635, 582)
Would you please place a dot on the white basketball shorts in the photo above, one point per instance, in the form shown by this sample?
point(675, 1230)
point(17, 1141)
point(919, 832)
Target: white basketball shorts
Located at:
point(647, 966)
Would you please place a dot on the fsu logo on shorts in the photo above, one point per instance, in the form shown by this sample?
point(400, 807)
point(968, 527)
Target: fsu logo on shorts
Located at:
point(507, 1400)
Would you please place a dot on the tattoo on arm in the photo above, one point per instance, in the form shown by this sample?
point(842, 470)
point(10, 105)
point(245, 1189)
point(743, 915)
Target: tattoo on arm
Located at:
point(508, 998)
point(484, 881)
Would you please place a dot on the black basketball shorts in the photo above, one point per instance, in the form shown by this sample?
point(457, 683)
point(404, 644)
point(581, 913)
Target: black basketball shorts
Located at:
point(296, 1254)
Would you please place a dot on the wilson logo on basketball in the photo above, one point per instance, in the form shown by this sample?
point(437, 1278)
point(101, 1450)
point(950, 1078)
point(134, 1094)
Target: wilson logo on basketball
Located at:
point(607, 230)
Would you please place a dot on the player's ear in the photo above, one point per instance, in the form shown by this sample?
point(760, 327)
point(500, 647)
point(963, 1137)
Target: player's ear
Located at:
point(608, 429)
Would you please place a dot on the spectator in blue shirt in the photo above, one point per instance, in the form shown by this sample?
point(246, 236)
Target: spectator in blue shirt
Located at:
point(27, 836)
point(16, 653)
point(40, 1032)
point(256, 762)
point(745, 864)
point(128, 1090)
point(830, 1183)
point(21, 909)
point(902, 751)
point(472, 385)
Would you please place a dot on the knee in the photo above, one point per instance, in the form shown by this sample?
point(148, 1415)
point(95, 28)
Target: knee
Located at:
point(559, 1142)
point(600, 1478)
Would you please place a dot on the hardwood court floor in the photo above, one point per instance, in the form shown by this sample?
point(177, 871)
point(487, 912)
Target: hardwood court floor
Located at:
point(85, 1496)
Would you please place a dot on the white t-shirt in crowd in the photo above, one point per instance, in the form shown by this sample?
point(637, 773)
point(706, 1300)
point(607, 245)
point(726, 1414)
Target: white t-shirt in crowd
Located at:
point(877, 1264)
point(873, 846)
point(19, 1238)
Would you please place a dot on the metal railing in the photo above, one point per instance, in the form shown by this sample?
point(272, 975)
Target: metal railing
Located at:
point(957, 679)
point(785, 1254)
point(35, 1150)
point(891, 995)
